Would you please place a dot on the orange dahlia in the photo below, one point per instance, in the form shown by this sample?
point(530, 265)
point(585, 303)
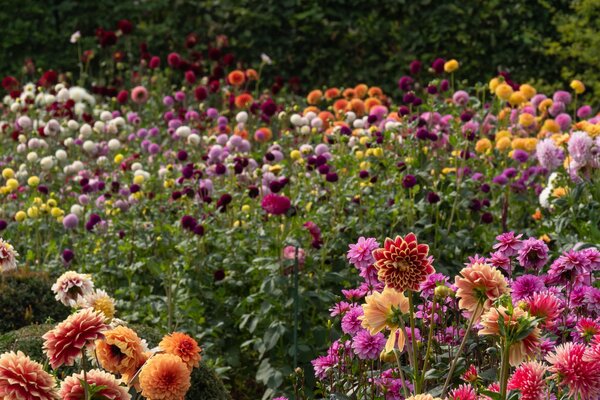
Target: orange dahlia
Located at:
point(182, 346)
point(519, 349)
point(236, 78)
point(72, 389)
point(243, 100)
point(120, 351)
point(403, 263)
point(64, 343)
point(165, 377)
point(24, 379)
point(478, 286)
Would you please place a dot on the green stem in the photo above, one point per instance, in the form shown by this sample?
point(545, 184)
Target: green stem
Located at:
point(429, 343)
point(404, 388)
point(411, 314)
point(460, 350)
point(504, 370)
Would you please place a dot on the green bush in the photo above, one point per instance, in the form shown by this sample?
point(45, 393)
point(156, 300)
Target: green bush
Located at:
point(323, 41)
point(26, 298)
point(206, 384)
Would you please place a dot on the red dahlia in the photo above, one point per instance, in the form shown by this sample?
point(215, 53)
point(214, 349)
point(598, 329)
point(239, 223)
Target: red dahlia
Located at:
point(403, 263)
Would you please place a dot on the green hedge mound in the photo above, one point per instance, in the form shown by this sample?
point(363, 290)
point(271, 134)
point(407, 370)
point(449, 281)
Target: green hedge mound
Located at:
point(26, 298)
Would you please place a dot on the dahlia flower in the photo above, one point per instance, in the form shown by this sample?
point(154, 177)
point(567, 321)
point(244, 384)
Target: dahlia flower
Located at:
point(360, 254)
point(571, 369)
point(528, 379)
point(423, 397)
point(544, 305)
point(580, 147)
point(508, 244)
point(71, 288)
point(402, 263)
point(65, 342)
point(463, 392)
point(24, 379)
point(351, 321)
point(525, 285)
point(184, 347)
point(549, 155)
point(367, 346)
point(8, 256)
point(478, 287)
point(323, 364)
point(533, 254)
point(518, 349)
point(121, 351)
point(380, 308)
point(165, 377)
point(99, 300)
point(72, 388)
point(275, 204)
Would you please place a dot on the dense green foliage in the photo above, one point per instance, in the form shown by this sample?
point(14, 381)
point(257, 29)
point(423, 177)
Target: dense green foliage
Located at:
point(26, 298)
point(326, 41)
point(205, 384)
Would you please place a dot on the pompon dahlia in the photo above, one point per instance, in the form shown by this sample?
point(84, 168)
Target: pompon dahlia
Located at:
point(478, 286)
point(165, 377)
point(121, 351)
point(463, 392)
point(402, 263)
point(275, 204)
point(571, 368)
point(71, 288)
point(544, 305)
point(8, 256)
point(528, 379)
point(21, 378)
point(379, 309)
point(64, 343)
point(518, 350)
point(184, 347)
point(72, 389)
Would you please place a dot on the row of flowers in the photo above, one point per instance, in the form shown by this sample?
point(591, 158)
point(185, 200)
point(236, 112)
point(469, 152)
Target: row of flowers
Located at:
point(196, 175)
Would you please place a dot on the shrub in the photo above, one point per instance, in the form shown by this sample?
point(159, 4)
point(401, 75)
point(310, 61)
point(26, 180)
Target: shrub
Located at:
point(26, 298)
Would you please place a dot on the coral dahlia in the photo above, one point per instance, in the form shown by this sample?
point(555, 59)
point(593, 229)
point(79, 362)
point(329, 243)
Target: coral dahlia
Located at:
point(64, 343)
point(120, 351)
point(184, 347)
point(478, 286)
point(165, 377)
point(24, 379)
point(72, 388)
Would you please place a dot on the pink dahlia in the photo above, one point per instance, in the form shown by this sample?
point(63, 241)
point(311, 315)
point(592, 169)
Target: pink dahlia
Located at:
point(571, 369)
point(24, 379)
point(533, 254)
point(72, 388)
point(8, 256)
point(544, 305)
point(360, 254)
point(528, 379)
point(275, 204)
point(367, 346)
point(508, 244)
point(64, 343)
point(568, 266)
point(403, 263)
point(463, 392)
